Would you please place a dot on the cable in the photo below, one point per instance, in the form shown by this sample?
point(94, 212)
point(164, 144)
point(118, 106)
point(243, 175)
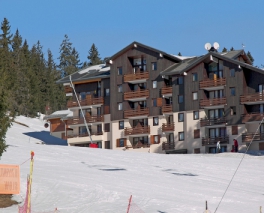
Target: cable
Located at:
point(239, 165)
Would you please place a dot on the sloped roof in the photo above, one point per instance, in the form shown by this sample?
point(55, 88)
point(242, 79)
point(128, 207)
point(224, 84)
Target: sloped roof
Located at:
point(59, 114)
point(177, 59)
point(87, 73)
point(186, 65)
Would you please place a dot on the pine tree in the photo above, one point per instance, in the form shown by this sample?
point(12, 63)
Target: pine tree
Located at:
point(250, 57)
point(232, 49)
point(224, 50)
point(69, 58)
point(94, 56)
point(179, 54)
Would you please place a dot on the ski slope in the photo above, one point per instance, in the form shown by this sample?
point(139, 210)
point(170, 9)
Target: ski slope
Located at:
point(85, 180)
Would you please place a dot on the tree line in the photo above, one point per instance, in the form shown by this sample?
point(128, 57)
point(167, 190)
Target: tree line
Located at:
point(28, 79)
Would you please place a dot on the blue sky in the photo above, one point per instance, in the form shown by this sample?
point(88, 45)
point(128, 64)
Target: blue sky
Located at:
point(169, 25)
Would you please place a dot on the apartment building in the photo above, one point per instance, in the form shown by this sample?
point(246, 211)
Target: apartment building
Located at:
point(150, 101)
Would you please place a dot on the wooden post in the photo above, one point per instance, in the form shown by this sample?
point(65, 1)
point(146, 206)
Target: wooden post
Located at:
point(129, 203)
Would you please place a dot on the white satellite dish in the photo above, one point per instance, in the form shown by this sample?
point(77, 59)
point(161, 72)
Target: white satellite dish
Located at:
point(207, 46)
point(216, 46)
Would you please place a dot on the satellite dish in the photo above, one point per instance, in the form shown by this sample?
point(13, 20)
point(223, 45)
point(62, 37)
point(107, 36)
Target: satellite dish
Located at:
point(207, 46)
point(216, 46)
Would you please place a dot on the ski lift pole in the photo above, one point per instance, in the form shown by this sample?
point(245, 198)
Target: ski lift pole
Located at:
point(81, 110)
point(30, 182)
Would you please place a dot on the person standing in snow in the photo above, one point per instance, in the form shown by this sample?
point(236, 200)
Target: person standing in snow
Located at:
point(218, 146)
point(235, 145)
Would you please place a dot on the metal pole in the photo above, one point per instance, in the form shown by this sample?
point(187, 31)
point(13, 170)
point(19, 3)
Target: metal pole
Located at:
point(129, 203)
point(81, 111)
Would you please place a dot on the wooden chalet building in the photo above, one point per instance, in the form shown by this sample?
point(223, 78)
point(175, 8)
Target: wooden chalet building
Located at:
point(151, 101)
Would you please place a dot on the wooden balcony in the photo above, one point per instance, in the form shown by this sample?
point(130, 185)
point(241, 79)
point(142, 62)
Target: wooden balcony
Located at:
point(140, 145)
point(166, 109)
point(86, 102)
point(136, 76)
point(84, 134)
point(136, 112)
point(213, 140)
point(89, 119)
point(212, 102)
point(166, 90)
point(137, 130)
point(168, 145)
point(205, 84)
point(212, 121)
point(67, 89)
point(136, 94)
point(168, 127)
point(248, 137)
point(252, 98)
point(251, 117)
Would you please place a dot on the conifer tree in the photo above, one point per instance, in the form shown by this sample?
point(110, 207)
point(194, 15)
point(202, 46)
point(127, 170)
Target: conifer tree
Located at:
point(232, 49)
point(69, 58)
point(250, 57)
point(224, 50)
point(179, 54)
point(94, 56)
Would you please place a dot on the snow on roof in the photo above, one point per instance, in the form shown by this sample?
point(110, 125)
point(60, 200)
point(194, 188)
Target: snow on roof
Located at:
point(59, 114)
point(183, 57)
point(99, 67)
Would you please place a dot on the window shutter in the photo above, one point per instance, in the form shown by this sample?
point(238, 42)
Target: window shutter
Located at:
point(125, 142)
point(152, 139)
point(196, 133)
point(261, 146)
point(117, 143)
point(159, 102)
point(106, 110)
point(107, 127)
point(234, 130)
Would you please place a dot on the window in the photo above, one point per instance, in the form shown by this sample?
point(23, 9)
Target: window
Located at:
point(119, 71)
point(232, 110)
point(120, 89)
point(107, 144)
point(180, 99)
point(180, 80)
point(195, 96)
point(154, 102)
point(232, 73)
point(196, 133)
point(195, 76)
point(232, 91)
point(180, 117)
point(195, 115)
point(155, 121)
point(99, 84)
point(121, 142)
point(120, 106)
point(154, 84)
point(154, 66)
point(121, 124)
point(107, 92)
point(107, 127)
point(181, 136)
point(156, 139)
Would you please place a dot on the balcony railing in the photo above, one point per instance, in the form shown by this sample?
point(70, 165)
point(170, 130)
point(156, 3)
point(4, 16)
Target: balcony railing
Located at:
point(137, 130)
point(214, 140)
point(168, 127)
point(248, 137)
point(168, 145)
point(212, 83)
point(212, 121)
point(84, 134)
point(89, 119)
point(140, 145)
point(166, 90)
point(254, 116)
point(166, 108)
point(136, 94)
point(136, 112)
point(212, 102)
point(136, 76)
point(252, 97)
point(86, 102)
point(67, 89)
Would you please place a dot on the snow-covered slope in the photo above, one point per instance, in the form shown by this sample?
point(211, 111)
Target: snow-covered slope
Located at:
point(81, 180)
